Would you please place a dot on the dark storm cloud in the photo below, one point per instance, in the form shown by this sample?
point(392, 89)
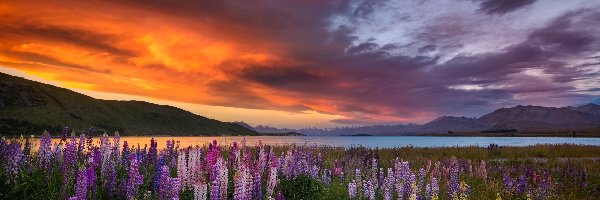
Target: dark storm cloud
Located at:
point(503, 6)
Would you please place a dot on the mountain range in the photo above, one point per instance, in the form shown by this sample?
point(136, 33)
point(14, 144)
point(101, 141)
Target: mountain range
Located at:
point(29, 107)
point(504, 120)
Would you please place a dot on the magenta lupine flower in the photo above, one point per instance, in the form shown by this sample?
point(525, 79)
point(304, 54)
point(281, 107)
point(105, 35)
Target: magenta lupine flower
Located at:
point(45, 151)
point(482, 170)
point(135, 178)
point(337, 169)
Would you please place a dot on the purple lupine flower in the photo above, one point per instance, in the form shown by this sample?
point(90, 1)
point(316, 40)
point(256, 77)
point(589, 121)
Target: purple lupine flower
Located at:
point(175, 188)
point(81, 187)
point(45, 152)
point(152, 152)
point(410, 186)
point(91, 178)
point(96, 157)
point(135, 178)
point(89, 140)
point(64, 134)
point(158, 173)
point(125, 155)
point(522, 184)
point(81, 144)
point(257, 191)
point(27, 147)
point(69, 160)
point(508, 182)
point(109, 176)
point(369, 189)
point(12, 158)
point(453, 180)
point(422, 176)
point(388, 184)
point(352, 189)
point(165, 185)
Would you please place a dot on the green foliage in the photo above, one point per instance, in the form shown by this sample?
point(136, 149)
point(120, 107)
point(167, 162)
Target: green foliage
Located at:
point(302, 187)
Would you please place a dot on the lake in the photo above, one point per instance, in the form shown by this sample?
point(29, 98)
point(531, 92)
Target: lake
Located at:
point(366, 141)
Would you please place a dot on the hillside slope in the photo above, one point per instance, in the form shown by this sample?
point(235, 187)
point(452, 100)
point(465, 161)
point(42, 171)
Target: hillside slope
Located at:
point(29, 107)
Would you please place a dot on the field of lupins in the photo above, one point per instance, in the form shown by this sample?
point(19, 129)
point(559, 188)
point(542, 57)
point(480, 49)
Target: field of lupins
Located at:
point(80, 167)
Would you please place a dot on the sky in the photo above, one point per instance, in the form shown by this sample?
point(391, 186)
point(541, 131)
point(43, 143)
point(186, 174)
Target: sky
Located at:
point(302, 63)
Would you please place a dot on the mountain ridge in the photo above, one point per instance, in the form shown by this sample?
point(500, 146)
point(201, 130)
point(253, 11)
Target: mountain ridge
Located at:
point(30, 107)
point(518, 118)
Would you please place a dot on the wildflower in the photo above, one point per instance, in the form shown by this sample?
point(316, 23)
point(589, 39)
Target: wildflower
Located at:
point(352, 189)
point(200, 191)
point(45, 151)
point(81, 187)
point(135, 178)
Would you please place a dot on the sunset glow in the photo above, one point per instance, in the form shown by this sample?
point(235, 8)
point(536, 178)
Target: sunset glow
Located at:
point(310, 63)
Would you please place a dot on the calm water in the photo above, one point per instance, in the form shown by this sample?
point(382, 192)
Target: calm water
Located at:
point(367, 141)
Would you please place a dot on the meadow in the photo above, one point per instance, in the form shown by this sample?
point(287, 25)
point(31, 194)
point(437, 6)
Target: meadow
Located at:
point(84, 167)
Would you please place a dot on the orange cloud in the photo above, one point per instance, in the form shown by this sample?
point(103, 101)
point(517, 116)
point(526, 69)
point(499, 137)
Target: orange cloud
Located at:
point(137, 49)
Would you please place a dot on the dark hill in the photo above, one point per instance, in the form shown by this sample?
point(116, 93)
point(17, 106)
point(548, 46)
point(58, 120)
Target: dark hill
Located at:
point(29, 107)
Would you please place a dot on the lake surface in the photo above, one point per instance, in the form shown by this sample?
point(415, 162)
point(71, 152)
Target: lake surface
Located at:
point(366, 141)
